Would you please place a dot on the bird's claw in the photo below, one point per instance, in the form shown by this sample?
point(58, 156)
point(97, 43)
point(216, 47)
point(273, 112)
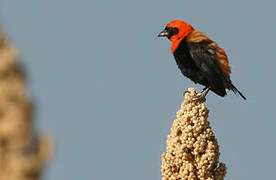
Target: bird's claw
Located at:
point(199, 98)
point(202, 90)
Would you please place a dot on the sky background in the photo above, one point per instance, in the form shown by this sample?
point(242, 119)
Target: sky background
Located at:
point(107, 88)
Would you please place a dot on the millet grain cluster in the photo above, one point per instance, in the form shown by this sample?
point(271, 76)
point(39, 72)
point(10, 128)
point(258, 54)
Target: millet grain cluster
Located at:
point(192, 149)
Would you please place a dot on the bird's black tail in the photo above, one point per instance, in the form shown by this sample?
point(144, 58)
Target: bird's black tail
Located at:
point(235, 90)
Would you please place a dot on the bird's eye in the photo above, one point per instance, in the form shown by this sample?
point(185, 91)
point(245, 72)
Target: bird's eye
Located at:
point(172, 31)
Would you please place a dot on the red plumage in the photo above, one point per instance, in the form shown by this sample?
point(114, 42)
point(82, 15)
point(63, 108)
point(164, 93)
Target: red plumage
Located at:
point(199, 58)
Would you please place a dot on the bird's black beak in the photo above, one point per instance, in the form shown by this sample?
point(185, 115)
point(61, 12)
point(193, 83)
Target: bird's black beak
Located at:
point(164, 33)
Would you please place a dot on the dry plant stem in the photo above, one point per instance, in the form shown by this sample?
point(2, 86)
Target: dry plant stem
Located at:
point(22, 152)
point(192, 149)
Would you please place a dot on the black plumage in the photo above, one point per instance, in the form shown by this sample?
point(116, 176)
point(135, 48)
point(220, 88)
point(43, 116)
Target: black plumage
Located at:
point(197, 62)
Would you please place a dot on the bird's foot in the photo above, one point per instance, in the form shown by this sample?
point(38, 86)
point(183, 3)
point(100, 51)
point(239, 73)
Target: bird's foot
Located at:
point(202, 97)
point(199, 98)
point(202, 90)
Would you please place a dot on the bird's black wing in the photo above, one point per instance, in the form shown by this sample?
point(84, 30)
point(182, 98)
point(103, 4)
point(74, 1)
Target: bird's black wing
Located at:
point(204, 56)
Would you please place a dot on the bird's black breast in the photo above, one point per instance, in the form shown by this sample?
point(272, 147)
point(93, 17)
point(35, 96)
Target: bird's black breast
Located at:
point(187, 65)
point(197, 62)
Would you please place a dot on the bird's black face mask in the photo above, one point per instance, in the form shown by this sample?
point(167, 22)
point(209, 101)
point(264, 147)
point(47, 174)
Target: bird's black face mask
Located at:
point(168, 32)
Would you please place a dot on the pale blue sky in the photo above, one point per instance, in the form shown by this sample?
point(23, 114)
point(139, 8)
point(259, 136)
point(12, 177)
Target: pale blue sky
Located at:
point(108, 89)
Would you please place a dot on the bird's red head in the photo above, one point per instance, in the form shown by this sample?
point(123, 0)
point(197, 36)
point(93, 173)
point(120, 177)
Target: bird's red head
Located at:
point(176, 31)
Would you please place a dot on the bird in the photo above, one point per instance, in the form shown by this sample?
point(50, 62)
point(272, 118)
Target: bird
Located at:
point(199, 58)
